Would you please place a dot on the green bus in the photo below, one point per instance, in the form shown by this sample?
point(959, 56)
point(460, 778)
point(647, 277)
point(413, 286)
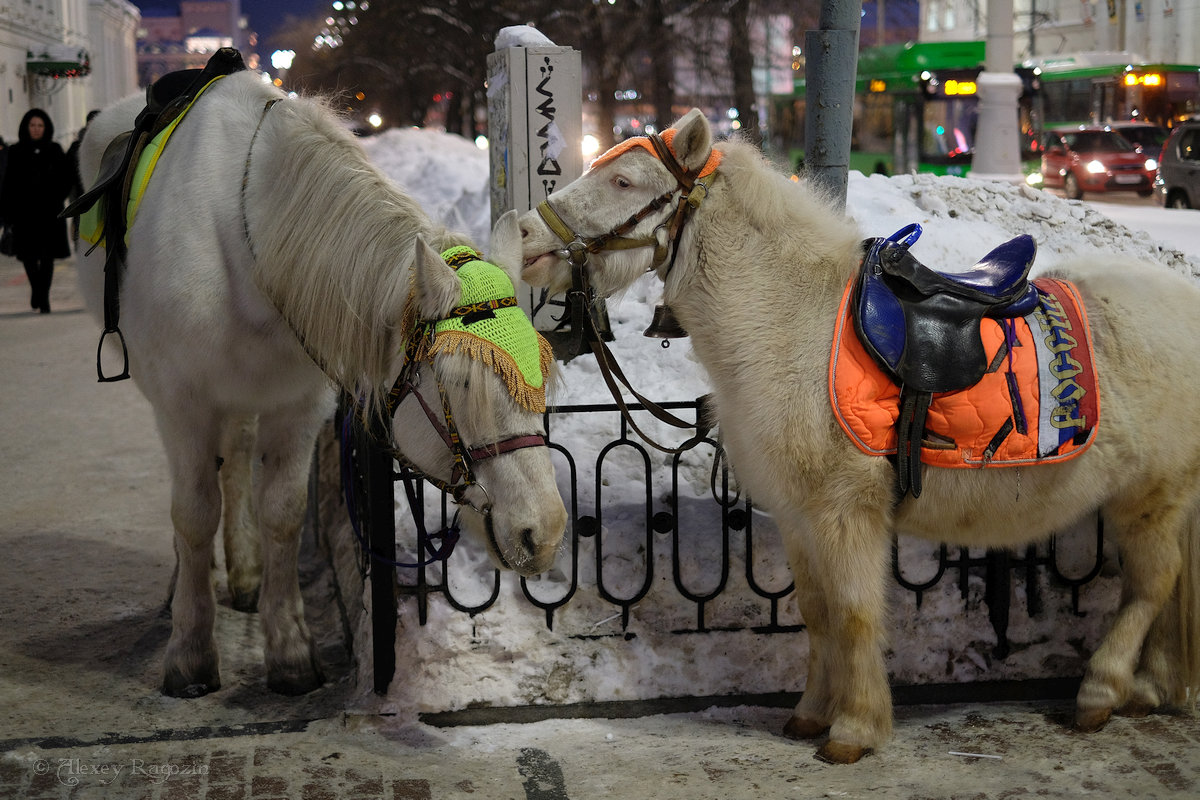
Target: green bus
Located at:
point(915, 107)
point(1097, 88)
point(916, 104)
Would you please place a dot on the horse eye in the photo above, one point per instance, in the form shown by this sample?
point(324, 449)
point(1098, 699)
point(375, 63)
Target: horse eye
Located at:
point(621, 182)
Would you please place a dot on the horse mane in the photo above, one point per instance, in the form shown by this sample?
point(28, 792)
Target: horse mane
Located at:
point(801, 213)
point(334, 243)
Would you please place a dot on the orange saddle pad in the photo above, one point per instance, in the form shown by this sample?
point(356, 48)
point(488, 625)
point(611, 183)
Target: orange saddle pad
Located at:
point(1036, 404)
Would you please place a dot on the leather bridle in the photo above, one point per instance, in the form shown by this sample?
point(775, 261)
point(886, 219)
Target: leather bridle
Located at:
point(580, 297)
point(692, 193)
point(417, 351)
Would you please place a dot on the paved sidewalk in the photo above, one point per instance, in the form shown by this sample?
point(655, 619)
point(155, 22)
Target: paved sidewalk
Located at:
point(85, 560)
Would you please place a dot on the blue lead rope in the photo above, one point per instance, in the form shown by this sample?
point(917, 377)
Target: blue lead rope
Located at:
point(440, 544)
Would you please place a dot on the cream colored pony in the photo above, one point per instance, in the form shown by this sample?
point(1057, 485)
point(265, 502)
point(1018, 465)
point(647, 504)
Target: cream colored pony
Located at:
point(254, 258)
point(759, 274)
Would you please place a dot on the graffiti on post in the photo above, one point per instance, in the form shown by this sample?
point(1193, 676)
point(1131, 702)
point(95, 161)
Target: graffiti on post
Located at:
point(551, 140)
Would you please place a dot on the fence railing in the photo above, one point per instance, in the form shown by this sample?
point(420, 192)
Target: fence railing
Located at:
point(649, 512)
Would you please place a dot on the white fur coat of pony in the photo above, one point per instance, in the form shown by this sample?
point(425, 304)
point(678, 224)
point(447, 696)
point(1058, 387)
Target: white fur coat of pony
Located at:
point(253, 259)
point(758, 278)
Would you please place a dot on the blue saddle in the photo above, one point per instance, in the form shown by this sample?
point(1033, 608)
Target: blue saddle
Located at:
point(922, 326)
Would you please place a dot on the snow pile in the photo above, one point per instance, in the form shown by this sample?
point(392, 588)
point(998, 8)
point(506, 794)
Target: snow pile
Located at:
point(446, 174)
point(507, 655)
point(949, 207)
point(521, 36)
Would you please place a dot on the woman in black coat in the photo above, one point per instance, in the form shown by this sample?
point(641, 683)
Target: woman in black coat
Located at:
point(36, 182)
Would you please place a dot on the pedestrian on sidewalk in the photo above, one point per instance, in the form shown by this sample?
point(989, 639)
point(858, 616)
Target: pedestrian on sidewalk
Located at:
point(36, 182)
point(77, 187)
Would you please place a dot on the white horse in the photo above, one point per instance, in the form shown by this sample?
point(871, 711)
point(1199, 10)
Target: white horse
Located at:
point(228, 307)
point(757, 279)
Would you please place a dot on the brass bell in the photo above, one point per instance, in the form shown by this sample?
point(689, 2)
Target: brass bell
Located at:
point(664, 325)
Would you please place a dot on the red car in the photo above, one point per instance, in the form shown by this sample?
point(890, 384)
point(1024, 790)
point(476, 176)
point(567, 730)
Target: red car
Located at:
point(1092, 159)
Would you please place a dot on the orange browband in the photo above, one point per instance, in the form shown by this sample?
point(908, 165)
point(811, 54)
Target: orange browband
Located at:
point(710, 166)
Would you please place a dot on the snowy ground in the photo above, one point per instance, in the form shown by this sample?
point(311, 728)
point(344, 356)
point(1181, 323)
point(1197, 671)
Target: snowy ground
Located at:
point(507, 655)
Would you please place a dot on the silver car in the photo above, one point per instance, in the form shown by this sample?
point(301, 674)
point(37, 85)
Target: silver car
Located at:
point(1177, 184)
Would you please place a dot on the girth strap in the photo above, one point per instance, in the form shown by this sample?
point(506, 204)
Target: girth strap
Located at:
point(910, 430)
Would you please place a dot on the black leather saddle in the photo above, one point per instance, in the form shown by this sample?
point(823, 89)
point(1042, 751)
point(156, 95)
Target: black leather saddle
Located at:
point(166, 99)
point(922, 325)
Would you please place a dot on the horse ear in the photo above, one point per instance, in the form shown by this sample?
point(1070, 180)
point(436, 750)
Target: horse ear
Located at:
point(438, 288)
point(505, 248)
point(693, 140)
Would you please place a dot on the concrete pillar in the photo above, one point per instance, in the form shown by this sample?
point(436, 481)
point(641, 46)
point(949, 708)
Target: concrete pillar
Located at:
point(997, 136)
point(535, 124)
point(535, 133)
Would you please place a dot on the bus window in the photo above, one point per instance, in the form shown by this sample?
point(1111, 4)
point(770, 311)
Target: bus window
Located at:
point(949, 134)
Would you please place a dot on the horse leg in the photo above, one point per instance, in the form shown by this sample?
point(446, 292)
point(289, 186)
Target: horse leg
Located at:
point(191, 665)
point(1170, 663)
point(243, 558)
point(814, 712)
point(1149, 535)
point(845, 560)
point(286, 443)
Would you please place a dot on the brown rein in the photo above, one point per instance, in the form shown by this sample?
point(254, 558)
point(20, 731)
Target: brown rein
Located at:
point(580, 296)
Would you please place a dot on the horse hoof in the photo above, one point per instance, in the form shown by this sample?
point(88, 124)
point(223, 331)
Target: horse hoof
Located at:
point(801, 728)
point(295, 682)
point(1093, 720)
point(246, 602)
point(840, 753)
point(196, 683)
point(291, 688)
point(1137, 709)
point(179, 686)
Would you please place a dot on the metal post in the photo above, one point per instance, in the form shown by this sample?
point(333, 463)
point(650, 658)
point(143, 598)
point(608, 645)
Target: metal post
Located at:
point(831, 67)
point(380, 523)
point(997, 138)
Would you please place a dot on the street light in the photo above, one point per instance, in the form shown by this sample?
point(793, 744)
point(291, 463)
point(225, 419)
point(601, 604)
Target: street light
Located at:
point(281, 60)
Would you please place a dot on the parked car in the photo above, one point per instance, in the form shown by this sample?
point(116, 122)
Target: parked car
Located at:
point(1178, 182)
point(1092, 159)
point(1145, 135)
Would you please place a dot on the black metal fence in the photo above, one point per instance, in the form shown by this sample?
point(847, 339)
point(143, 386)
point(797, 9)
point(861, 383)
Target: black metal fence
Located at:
point(738, 536)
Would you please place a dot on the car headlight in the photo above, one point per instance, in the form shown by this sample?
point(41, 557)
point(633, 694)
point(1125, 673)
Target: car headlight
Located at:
point(1096, 168)
point(1034, 179)
point(1151, 165)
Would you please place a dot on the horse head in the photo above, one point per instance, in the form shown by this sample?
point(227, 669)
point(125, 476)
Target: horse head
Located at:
point(469, 412)
point(623, 217)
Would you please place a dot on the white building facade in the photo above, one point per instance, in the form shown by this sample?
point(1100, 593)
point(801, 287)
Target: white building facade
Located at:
point(65, 57)
point(1156, 31)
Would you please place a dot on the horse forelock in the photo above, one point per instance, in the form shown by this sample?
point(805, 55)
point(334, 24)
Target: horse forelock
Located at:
point(488, 411)
point(335, 242)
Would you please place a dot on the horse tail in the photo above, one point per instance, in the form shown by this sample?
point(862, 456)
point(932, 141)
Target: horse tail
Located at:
point(1175, 634)
point(1187, 598)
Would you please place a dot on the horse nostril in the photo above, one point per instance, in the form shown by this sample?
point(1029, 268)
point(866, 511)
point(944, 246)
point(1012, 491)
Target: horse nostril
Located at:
point(527, 541)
